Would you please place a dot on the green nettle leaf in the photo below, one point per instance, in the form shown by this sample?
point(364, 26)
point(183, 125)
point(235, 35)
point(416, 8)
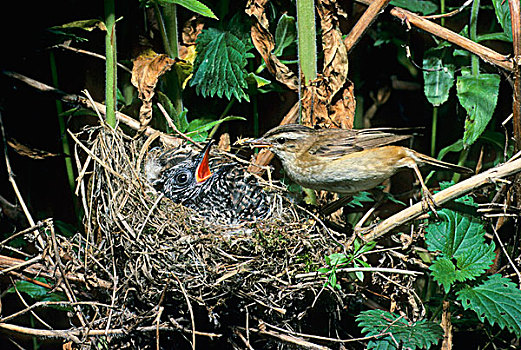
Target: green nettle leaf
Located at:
point(438, 78)
point(478, 95)
point(219, 68)
point(396, 332)
point(469, 265)
point(444, 272)
point(497, 299)
point(192, 5)
point(421, 6)
point(285, 34)
point(464, 254)
point(454, 234)
point(504, 17)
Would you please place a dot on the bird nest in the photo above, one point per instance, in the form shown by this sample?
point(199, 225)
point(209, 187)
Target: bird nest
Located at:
point(170, 268)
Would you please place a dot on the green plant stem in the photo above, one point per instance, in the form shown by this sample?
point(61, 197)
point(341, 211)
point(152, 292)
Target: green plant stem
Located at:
point(462, 158)
point(223, 114)
point(167, 20)
point(473, 35)
point(163, 30)
point(63, 135)
point(110, 64)
point(434, 130)
point(442, 10)
point(307, 42)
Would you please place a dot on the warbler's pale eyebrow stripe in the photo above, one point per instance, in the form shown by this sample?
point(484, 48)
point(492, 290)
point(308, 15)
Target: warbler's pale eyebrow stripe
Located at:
point(288, 128)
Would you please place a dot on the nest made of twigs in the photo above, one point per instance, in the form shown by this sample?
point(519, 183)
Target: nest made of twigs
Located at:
point(151, 247)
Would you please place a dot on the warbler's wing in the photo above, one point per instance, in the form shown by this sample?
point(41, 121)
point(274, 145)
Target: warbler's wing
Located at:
point(334, 143)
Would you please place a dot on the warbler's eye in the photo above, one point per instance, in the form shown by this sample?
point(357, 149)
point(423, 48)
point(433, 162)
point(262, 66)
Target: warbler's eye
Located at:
point(181, 178)
point(281, 140)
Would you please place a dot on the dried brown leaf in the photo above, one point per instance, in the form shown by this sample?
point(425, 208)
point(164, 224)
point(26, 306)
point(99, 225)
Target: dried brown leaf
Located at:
point(265, 43)
point(224, 142)
point(329, 101)
point(30, 152)
point(191, 29)
point(147, 69)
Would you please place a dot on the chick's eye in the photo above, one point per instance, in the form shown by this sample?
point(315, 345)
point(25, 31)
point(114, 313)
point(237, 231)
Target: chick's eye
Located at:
point(181, 178)
point(281, 140)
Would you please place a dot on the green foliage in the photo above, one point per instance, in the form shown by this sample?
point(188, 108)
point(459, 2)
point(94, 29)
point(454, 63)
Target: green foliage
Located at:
point(503, 16)
point(219, 68)
point(198, 128)
point(338, 260)
point(36, 291)
point(438, 77)
point(421, 6)
point(395, 332)
point(285, 34)
point(192, 5)
point(497, 299)
point(463, 253)
point(478, 95)
point(359, 199)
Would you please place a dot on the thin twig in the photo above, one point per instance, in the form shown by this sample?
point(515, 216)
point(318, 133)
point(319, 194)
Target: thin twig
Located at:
point(360, 269)
point(89, 53)
point(483, 52)
point(512, 263)
point(365, 21)
point(452, 13)
point(10, 175)
point(189, 309)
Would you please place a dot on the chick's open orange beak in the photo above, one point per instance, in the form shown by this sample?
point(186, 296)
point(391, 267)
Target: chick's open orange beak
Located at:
point(202, 172)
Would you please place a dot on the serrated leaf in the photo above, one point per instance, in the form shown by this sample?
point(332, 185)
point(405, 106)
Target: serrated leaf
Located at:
point(460, 239)
point(444, 272)
point(469, 265)
point(438, 77)
point(285, 34)
point(475, 262)
point(192, 5)
point(396, 332)
point(478, 95)
point(503, 16)
point(422, 6)
point(454, 234)
point(219, 68)
point(497, 299)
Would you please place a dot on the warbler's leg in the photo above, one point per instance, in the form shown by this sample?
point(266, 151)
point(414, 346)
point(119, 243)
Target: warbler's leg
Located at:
point(427, 198)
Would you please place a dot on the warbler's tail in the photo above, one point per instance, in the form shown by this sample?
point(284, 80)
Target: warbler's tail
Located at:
point(424, 159)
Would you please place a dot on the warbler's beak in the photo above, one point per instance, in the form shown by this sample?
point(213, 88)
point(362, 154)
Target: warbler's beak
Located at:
point(202, 172)
point(258, 143)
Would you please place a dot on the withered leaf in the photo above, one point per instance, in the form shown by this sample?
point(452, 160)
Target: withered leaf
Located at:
point(264, 42)
point(329, 101)
point(30, 152)
point(147, 69)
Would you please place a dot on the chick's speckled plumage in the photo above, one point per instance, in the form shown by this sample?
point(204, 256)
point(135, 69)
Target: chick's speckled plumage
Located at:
point(228, 195)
